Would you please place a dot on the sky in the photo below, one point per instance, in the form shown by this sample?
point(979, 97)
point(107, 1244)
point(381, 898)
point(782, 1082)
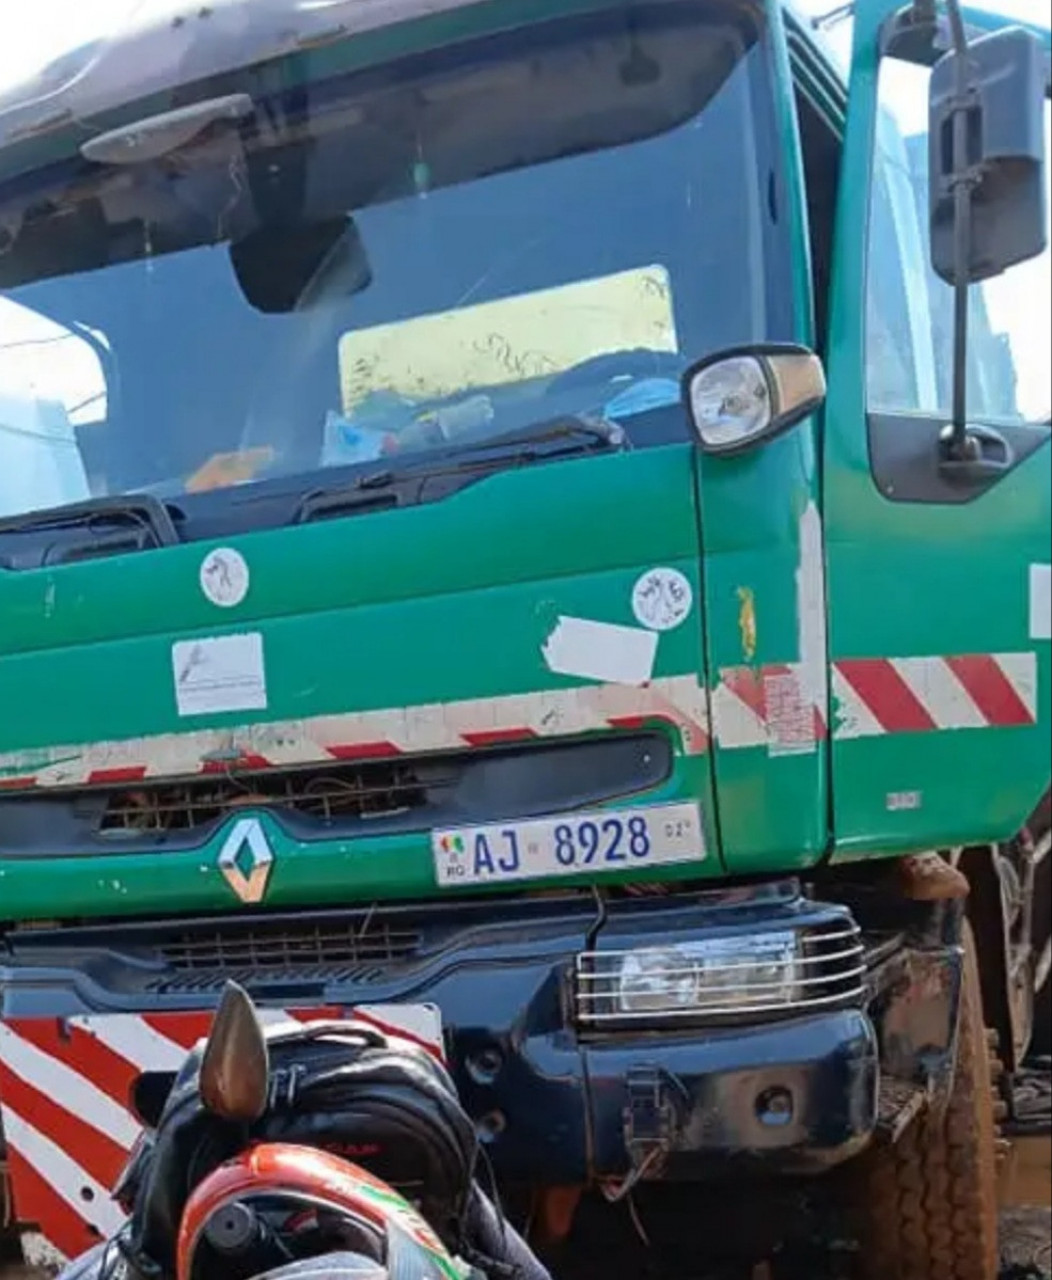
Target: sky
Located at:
point(47, 28)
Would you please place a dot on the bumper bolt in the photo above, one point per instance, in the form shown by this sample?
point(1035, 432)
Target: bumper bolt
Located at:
point(485, 1065)
point(490, 1127)
point(774, 1108)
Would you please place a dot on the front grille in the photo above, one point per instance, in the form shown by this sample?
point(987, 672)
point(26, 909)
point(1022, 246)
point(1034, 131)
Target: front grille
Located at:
point(366, 790)
point(313, 949)
point(381, 795)
point(295, 959)
point(823, 968)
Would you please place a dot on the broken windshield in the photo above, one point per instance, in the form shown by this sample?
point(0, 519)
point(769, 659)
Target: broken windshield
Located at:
point(292, 277)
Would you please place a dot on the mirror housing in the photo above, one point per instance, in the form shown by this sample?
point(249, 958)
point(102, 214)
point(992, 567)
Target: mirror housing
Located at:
point(1007, 79)
point(746, 396)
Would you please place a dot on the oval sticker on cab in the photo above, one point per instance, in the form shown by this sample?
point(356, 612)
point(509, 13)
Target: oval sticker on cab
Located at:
point(224, 577)
point(662, 599)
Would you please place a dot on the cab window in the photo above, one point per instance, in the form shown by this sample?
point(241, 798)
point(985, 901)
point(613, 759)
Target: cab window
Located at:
point(909, 345)
point(53, 398)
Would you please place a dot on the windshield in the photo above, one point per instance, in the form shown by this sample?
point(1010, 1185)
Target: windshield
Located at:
point(309, 275)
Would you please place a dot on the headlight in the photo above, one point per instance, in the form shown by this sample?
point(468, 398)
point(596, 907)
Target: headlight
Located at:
point(714, 976)
point(731, 402)
point(737, 399)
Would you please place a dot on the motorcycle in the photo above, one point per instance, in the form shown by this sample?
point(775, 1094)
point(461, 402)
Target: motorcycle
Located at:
point(319, 1151)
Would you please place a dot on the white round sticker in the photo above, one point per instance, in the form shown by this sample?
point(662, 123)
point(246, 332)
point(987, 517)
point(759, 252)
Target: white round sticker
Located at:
point(225, 577)
point(662, 599)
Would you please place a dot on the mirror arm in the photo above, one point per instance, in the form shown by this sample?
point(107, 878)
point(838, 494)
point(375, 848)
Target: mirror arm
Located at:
point(956, 446)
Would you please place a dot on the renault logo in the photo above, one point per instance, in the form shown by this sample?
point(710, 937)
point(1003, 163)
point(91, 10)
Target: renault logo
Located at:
point(246, 860)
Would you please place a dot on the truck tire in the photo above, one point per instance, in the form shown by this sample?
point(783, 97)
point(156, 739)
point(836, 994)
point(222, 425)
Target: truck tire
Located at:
point(927, 1206)
point(1041, 834)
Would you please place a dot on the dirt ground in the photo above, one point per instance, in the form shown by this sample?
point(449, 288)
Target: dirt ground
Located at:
point(1027, 1195)
point(1027, 1241)
point(1027, 1219)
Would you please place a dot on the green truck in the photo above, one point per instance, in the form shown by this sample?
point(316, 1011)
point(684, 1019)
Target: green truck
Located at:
point(501, 535)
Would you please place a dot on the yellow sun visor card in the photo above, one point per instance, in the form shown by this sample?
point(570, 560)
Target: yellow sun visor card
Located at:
point(533, 335)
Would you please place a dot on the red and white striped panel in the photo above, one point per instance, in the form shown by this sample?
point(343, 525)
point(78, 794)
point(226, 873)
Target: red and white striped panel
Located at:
point(445, 726)
point(768, 706)
point(922, 695)
point(64, 1087)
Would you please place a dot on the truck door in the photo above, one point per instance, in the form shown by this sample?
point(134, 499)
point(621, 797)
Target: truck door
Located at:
point(938, 591)
point(762, 539)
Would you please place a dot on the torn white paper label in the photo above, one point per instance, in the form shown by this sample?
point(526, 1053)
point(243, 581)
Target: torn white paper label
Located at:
point(601, 651)
point(223, 673)
point(1041, 602)
point(811, 611)
point(790, 716)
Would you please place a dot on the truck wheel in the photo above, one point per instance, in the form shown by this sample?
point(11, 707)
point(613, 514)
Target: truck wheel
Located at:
point(927, 1207)
point(1041, 1044)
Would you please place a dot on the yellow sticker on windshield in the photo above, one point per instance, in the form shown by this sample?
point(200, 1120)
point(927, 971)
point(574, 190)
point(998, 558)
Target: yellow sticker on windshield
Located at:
point(534, 335)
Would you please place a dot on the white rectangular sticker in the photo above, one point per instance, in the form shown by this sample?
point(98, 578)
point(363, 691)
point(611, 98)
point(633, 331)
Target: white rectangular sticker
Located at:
point(1041, 602)
point(590, 844)
point(601, 651)
point(223, 673)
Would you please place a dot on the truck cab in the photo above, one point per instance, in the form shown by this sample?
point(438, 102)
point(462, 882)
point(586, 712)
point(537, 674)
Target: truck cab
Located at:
point(519, 584)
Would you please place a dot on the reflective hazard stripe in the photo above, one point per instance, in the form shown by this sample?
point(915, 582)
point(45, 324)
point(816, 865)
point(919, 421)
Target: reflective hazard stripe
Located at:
point(369, 735)
point(56, 1080)
point(878, 696)
point(751, 706)
point(765, 706)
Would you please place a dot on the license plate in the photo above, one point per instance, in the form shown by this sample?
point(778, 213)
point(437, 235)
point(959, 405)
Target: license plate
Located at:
point(579, 844)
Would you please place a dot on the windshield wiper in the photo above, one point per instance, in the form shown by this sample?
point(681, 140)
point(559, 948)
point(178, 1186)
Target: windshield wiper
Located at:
point(405, 485)
point(575, 430)
point(114, 526)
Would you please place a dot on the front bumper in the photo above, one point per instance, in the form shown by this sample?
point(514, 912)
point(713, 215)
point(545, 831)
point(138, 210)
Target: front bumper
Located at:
point(556, 1103)
point(798, 1096)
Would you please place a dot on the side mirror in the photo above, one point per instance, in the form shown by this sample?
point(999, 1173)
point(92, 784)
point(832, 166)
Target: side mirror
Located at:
point(235, 1065)
point(1006, 77)
point(746, 396)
